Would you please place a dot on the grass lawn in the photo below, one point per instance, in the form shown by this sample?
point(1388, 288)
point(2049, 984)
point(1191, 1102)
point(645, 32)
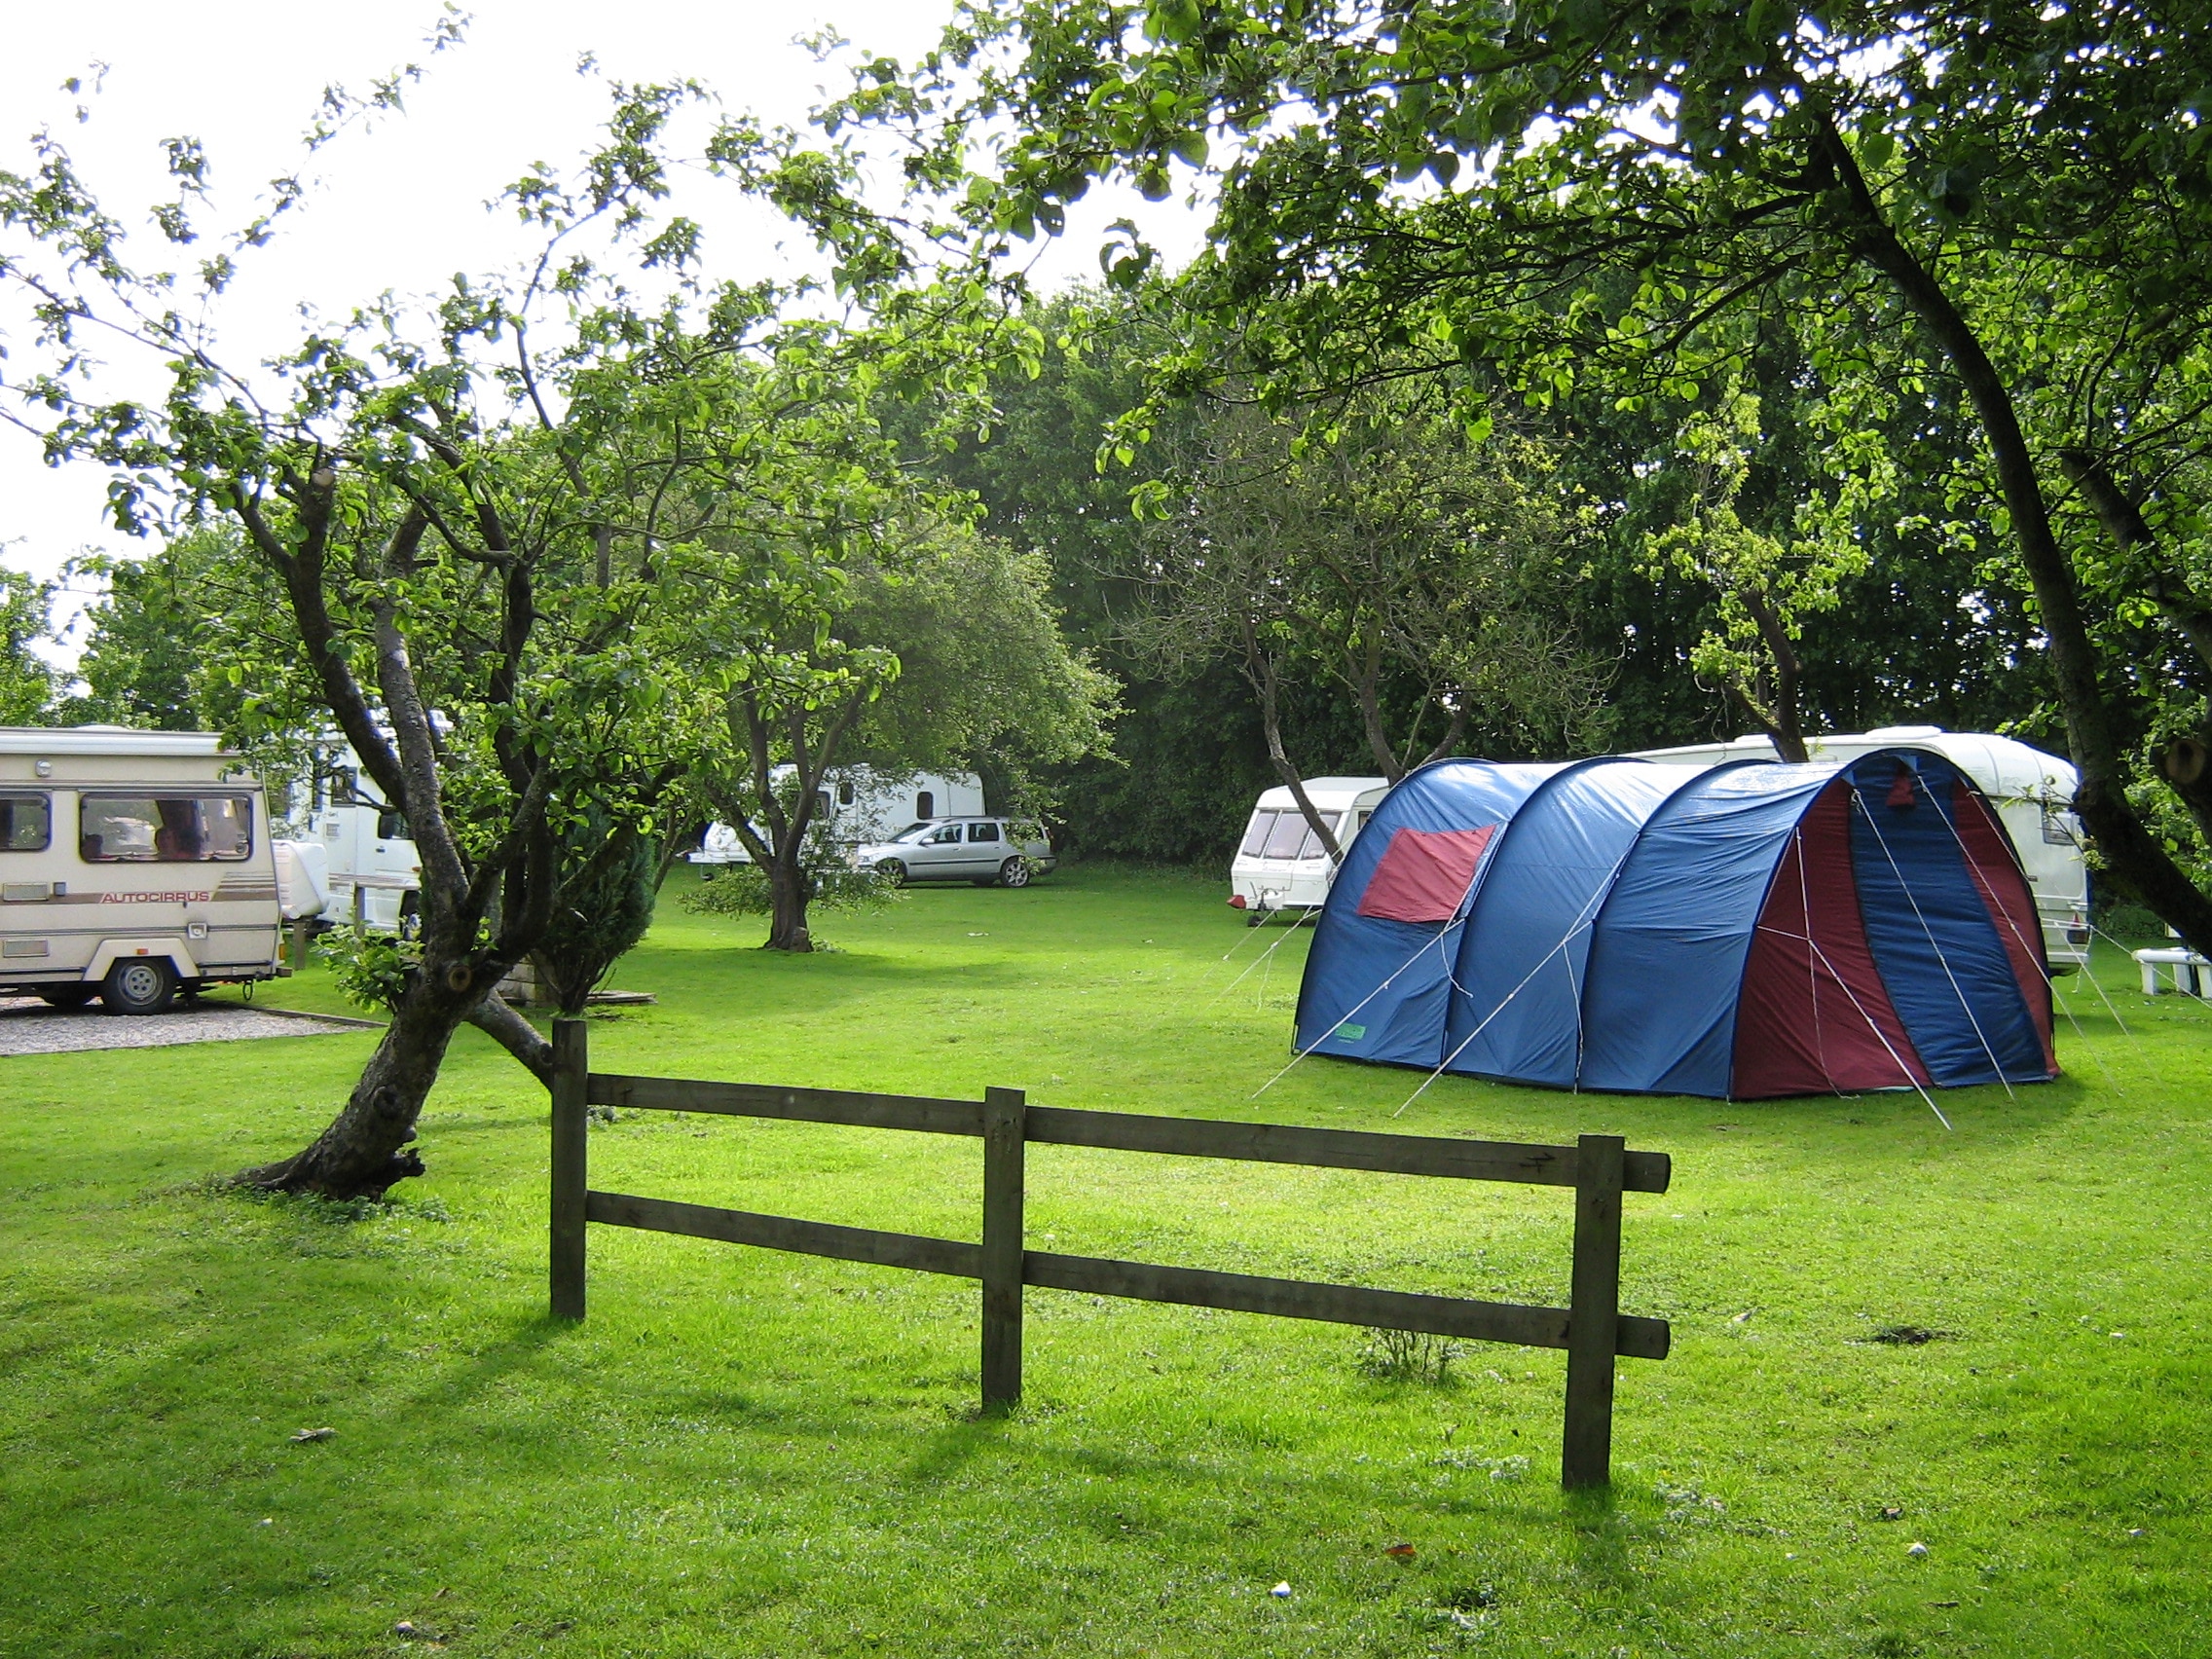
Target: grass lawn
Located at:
point(744, 1453)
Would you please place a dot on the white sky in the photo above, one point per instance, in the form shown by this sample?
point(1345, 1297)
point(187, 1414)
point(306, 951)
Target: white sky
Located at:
point(401, 208)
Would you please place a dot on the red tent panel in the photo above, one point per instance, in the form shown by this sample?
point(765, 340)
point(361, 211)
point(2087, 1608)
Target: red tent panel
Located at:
point(1424, 874)
point(1813, 1017)
point(2011, 905)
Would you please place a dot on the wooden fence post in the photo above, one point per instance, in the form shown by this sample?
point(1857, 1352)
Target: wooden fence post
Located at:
point(572, 1070)
point(1003, 1136)
point(1586, 1453)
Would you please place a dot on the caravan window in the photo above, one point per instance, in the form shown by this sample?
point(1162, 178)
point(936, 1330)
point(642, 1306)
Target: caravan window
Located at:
point(1310, 847)
point(1256, 834)
point(26, 824)
point(391, 823)
point(164, 829)
point(1292, 838)
point(844, 791)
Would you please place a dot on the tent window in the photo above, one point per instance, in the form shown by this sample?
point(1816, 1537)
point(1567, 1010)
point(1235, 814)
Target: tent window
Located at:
point(1424, 874)
point(1256, 836)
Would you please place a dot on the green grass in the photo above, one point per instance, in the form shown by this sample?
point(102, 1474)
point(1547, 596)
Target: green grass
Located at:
point(743, 1453)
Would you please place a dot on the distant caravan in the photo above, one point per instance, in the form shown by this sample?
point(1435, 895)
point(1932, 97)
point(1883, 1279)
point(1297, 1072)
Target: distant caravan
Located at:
point(1281, 864)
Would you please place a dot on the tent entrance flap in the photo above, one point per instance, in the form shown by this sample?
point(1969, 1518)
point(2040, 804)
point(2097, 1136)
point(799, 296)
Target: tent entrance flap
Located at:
point(1424, 874)
point(1814, 1016)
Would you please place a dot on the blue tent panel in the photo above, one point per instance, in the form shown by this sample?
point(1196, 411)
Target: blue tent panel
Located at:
point(1375, 987)
point(1929, 927)
point(1659, 1009)
point(1517, 1013)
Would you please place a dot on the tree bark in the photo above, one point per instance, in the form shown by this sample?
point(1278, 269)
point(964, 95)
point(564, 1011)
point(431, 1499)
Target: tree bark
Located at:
point(2129, 850)
point(788, 895)
point(1784, 724)
point(365, 1148)
point(1260, 671)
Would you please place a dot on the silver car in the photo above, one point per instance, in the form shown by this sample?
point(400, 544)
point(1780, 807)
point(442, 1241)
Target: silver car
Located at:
point(990, 851)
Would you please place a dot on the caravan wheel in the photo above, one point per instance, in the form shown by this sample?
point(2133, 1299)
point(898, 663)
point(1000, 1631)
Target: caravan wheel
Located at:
point(144, 984)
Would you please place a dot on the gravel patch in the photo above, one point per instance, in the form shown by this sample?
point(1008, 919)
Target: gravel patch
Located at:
point(27, 1026)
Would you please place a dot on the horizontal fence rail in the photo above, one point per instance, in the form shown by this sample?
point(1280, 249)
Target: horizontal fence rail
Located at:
point(1128, 1131)
point(1599, 1169)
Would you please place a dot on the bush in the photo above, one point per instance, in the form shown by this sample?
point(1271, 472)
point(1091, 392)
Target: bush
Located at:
point(742, 890)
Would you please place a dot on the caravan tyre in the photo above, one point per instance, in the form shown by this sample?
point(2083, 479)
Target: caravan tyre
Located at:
point(1015, 872)
point(143, 985)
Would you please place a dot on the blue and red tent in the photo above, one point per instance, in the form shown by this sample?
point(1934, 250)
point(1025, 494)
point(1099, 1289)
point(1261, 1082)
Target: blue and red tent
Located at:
point(1748, 931)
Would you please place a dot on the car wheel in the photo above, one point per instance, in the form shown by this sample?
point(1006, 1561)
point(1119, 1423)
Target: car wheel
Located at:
point(893, 870)
point(143, 985)
point(1015, 872)
point(68, 996)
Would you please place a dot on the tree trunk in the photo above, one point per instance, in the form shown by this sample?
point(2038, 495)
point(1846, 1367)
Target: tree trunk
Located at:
point(1260, 670)
point(1785, 726)
point(365, 1148)
point(788, 894)
point(2129, 850)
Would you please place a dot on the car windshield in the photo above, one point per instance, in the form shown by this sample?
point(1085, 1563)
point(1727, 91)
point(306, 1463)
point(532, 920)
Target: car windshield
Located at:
point(913, 833)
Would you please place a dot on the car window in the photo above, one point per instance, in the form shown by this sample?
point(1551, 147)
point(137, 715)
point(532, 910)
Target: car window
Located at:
point(1256, 834)
point(164, 829)
point(1025, 829)
point(982, 832)
point(26, 824)
point(913, 832)
point(943, 834)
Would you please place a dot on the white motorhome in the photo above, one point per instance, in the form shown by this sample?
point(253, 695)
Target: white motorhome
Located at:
point(857, 805)
point(1280, 863)
point(136, 864)
point(375, 874)
point(2032, 792)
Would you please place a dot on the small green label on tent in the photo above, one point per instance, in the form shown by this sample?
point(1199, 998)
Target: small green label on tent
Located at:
point(1349, 1032)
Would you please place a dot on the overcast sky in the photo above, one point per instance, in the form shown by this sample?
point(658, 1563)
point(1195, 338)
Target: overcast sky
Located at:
point(401, 208)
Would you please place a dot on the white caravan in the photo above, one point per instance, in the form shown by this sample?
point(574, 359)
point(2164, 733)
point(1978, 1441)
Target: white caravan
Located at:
point(857, 806)
point(136, 864)
point(374, 874)
point(2032, 792)
point(1281, 864)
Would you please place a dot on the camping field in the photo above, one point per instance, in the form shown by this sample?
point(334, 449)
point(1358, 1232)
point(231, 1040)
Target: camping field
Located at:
point(740, 1453)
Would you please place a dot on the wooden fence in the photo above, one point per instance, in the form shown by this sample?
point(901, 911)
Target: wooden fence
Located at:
point(1592, 1329)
